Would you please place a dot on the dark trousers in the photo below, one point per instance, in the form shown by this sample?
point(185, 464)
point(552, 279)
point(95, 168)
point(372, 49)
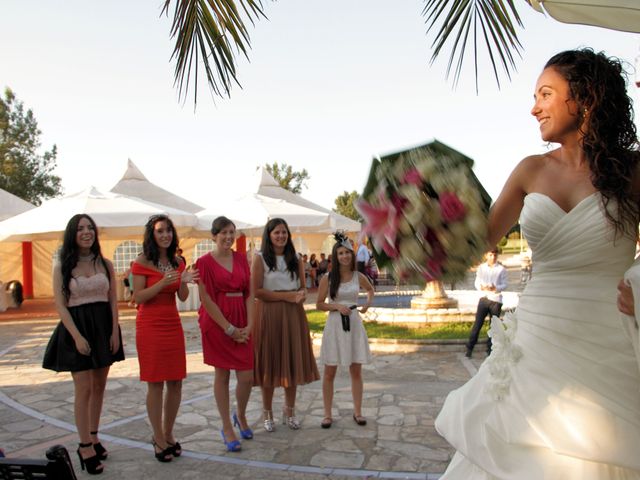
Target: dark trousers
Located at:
point(361, 266)
point(485, 307)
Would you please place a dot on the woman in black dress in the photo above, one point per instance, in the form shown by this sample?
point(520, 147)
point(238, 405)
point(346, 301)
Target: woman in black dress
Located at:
point(87, 340)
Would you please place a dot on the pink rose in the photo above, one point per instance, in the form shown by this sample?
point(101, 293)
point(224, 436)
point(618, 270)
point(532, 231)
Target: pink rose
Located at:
point(451, 208)
point(413, 176)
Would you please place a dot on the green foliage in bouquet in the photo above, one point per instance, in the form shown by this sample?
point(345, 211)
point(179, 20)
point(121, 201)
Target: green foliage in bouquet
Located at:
point(426, 213)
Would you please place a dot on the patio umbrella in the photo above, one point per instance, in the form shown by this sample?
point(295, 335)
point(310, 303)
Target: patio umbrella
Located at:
point(621, 15)
point(117, 216)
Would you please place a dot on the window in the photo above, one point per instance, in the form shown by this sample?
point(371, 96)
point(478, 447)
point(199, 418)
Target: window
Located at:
point(205, 246)
point(126, 253)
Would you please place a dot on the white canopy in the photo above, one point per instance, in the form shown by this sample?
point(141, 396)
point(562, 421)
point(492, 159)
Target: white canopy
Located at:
point(268, 187)
point(614, 14)
point(135, 184)
point(251, 212)
point(11, 205)
point(117, 216)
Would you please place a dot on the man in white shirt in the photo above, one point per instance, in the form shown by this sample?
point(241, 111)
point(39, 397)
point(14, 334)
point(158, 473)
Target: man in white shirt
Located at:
point(491, 277)
point(362, 256)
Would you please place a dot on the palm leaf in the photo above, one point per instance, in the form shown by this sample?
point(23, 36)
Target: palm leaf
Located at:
point(211, 32)
point(493, 20)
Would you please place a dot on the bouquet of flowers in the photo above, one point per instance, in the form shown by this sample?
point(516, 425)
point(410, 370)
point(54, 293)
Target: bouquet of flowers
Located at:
point(426, 214)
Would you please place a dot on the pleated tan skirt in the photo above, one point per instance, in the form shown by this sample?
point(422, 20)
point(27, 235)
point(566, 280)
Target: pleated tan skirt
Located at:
point(283, 349)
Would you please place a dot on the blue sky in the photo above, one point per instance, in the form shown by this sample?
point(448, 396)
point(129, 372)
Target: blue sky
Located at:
point(329, 86)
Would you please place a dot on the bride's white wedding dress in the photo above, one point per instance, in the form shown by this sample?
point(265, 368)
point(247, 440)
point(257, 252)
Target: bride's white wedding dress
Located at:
point(559, 397)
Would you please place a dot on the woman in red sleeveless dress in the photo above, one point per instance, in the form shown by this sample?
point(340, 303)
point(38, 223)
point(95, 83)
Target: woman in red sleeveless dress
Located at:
point(225, 319)
point(157, 276)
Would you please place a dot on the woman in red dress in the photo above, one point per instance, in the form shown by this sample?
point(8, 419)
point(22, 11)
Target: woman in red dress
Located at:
point(157, 276)
point(226, 314)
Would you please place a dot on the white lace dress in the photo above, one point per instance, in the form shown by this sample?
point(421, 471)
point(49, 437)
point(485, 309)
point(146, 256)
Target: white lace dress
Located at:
point(340, 347)
point(559, 397)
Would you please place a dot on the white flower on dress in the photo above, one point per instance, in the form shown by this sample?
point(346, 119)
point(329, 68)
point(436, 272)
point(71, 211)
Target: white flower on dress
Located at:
point(504, 355)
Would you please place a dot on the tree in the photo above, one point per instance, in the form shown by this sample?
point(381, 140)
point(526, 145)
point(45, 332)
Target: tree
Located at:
point(23, 171)
point(208, 30)
point(213, 31)
point(344, 205)
point(288, 178)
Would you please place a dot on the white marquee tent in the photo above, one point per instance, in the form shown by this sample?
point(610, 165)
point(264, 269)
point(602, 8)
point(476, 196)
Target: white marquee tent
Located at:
point(11, 205)
point(118, 217)
point(135, 184)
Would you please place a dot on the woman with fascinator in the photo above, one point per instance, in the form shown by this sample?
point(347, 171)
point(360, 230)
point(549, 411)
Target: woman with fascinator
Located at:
point(344, 341)
point(283, 350)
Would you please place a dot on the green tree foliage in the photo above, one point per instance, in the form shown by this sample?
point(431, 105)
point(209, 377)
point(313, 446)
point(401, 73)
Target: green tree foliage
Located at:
point(23, 171)
point(288, 179)
point(209, 34)
point(344, 205)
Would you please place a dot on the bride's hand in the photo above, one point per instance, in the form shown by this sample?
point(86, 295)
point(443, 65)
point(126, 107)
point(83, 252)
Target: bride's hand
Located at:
point(625, 299)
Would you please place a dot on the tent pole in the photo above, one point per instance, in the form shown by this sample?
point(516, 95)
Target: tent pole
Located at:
point(27, 269)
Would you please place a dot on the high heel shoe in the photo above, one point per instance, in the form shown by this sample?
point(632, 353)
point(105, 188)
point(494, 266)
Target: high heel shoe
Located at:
point(164, 455)
point(289, 418)
point(269, 424)
point(93, 465)
point(246, 434)
point(176, 448)
point(101, 452)
point(233, 445)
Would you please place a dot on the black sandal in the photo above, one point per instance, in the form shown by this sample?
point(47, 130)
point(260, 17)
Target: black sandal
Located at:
point(163, 456)
point(93, 465)
point(176, 448)
point(101, 452)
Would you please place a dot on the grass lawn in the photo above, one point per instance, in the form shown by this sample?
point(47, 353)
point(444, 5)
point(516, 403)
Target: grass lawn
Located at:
point(444, 331)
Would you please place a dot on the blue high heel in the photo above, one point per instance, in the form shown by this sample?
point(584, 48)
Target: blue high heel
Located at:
point(233, 446)
point(246, 434)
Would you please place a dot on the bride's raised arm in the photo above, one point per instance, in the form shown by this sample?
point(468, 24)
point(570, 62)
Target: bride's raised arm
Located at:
point(506, 209)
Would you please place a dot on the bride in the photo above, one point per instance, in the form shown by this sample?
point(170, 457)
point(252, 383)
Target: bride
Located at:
point(560, 396)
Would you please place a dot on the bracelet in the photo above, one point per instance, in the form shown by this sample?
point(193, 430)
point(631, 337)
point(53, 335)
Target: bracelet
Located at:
point(230, 330)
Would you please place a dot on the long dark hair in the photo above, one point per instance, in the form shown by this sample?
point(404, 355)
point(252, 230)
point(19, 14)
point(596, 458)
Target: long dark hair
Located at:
point(150, 247)
point(69, 252)
point(334, 274)
point(597, 84)
point(269, 255)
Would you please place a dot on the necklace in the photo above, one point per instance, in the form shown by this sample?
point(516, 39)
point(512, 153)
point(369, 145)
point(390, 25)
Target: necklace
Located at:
point(165, 267)
point(86, 258)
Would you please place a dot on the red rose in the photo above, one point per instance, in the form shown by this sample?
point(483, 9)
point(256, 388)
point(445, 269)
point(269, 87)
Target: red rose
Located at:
point(451, 208)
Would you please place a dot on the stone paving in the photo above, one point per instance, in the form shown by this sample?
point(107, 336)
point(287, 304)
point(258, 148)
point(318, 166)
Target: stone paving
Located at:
point(404, 391)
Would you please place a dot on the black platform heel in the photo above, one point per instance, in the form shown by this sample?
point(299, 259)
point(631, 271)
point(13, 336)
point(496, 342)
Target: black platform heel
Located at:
point(164, 455)
point(101, 452)
point(92, 464)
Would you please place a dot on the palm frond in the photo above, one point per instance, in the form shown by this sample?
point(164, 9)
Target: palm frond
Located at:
point(493, 20)
point(211, 32)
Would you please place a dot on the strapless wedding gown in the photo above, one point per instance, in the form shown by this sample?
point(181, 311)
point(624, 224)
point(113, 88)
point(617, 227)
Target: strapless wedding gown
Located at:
point(559, 397)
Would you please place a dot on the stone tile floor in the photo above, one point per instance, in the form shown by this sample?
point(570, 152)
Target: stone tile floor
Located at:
point(404, 392)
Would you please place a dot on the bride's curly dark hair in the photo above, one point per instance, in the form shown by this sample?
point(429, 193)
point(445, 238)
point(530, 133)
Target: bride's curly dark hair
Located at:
point(598, 86)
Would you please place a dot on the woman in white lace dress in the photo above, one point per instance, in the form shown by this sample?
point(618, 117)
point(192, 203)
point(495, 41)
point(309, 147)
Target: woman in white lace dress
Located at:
point(344, 341)
point(559, 397)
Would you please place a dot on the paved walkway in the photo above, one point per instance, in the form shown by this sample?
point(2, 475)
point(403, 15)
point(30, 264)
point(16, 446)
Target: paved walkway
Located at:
point(403, 393)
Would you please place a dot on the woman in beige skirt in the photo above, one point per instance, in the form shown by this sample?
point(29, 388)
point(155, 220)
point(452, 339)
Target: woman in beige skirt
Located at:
point(283, 350)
